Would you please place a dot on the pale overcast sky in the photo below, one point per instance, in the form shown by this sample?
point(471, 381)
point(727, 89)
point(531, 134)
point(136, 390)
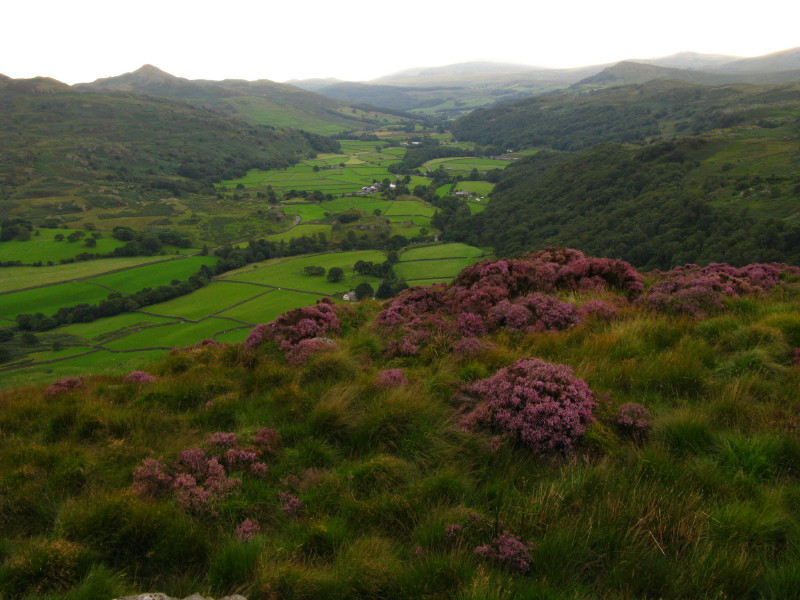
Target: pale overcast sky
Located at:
point(82, 40)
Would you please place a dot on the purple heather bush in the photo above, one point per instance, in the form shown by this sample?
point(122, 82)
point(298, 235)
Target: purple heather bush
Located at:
point(514, 294)
point(247, 530)
point(140, 377)
point(544, 405)
point(296, 325)
point(151, 479)
point(598, 308)
point(299, 353)
point(223, 439)
point(199, 479)
point(290, 505)
point(452, 531)
point(267, 440)
point(548, 312)
point(634, 420)
point(469, 347)
point(700, 291)
point(391, 378)
point(64, 385)
point(509, 551)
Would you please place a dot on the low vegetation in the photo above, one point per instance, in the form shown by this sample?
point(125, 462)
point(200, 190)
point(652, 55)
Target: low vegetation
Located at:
point(554, 425)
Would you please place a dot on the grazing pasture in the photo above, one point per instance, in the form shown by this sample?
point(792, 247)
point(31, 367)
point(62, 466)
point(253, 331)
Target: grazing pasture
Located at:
point(42, 247)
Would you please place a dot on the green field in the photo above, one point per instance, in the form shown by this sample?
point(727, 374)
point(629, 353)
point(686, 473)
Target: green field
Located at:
point(416, 220)
point(172, 336)
point(101, 330)
point(97, 362)
point(410, 207)
point(14, 278)
point(267, 307)
point(152, 276)
point(476, 207)
point(206, 301)
point(363, 203)
point(44, 248)
point(455, 250)
point(287, 273)
point(307, 211)
point(357, 165)
point(48, 300)
point(300, 231)
point(443, 190)
point(463, 166)
point(446, 267)
point(482, 188)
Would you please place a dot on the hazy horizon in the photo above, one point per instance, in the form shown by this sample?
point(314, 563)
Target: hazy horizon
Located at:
point(87, 39)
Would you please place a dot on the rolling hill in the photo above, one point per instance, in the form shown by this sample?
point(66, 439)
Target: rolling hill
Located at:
point(263, 102)
point(56, 140)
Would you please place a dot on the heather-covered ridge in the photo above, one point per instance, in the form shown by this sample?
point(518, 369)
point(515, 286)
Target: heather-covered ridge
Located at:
point(549, 426)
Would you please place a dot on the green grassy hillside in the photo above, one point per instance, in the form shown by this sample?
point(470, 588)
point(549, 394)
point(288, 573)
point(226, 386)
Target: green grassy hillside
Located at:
point(263, 102)
point(57, 142)
point(374, 462)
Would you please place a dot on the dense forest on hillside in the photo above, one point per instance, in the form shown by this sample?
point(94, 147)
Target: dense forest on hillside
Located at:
point(633, 113)
point(653, 206)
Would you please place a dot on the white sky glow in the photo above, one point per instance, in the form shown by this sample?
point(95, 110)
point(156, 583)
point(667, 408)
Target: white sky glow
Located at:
point(83, 40)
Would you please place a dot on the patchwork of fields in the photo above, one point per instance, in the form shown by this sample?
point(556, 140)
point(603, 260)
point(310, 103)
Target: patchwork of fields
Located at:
point(227, 308)
point(357, 166)
point(224, 310)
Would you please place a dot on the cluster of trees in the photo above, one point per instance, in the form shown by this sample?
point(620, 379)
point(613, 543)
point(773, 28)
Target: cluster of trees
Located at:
point(619, 201)
point(15, 229)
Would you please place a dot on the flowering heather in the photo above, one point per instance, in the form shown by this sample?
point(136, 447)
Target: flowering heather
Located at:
point(247, 530)
point(471, 324)
point(236, 457)
point(452, 531)
point(300, 332)
point(512, 294)
point(391, 378)
point(469, 347)
point(207, 343)
point(796, 357)
point(299, 353)
point(258, 469)
point(700, 291)
point(403, 347)
point(140, 377)
point(548, 312)
point(634, 420)
point(508, 551)
point(267, 440)
point(151, 479)
point(290, 505)
point(598, 308)
point(193, 461)
point(543, 404)
point(222, 439)
point(64, 385)
point(511, 316)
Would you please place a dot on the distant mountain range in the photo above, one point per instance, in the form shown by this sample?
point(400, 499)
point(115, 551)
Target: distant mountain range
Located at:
point(453, 90)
